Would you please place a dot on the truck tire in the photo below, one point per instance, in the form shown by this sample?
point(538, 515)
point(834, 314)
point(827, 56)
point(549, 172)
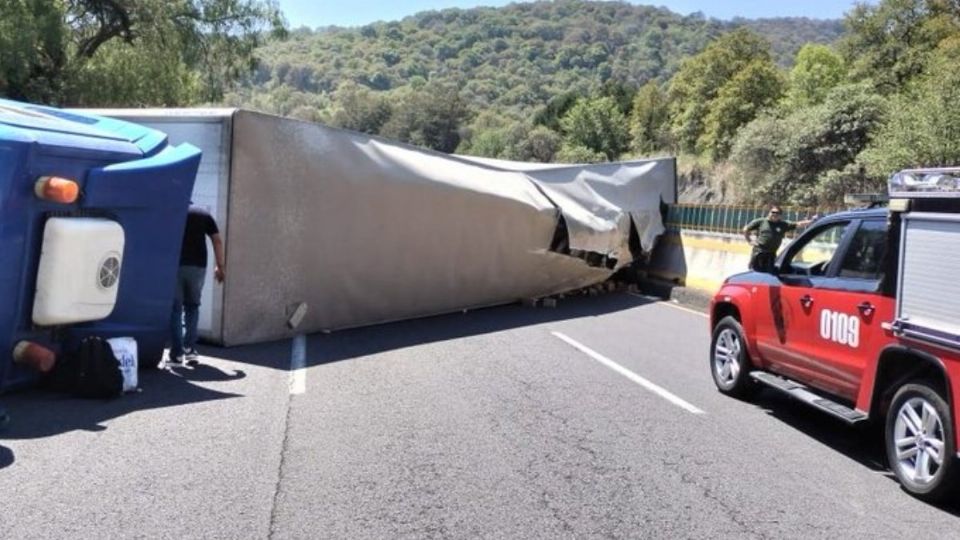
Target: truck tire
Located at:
point(729, 360)
point(920, 443)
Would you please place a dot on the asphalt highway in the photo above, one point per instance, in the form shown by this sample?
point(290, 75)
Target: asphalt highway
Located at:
point(594, 419)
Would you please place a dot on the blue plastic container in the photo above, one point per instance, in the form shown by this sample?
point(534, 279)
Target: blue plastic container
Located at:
point(128, 174)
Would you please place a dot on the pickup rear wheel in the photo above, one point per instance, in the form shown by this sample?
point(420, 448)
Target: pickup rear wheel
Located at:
point(920, 442)
point(729, 361)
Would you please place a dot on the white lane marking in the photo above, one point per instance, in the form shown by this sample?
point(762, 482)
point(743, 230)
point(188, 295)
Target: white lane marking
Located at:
point(688, 310)
point(298, 365)
point(671, 304)
point(665, 394)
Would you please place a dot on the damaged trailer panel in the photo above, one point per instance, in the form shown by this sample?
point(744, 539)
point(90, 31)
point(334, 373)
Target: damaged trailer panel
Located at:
point(365, 230)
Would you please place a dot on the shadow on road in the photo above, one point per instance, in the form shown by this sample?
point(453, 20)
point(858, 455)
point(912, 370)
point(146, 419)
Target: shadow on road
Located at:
point(358, 342)
point(861, 444)
point(40, 413)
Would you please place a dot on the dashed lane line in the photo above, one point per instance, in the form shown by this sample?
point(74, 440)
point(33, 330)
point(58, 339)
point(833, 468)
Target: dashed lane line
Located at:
point(658, 390)
point(298, 365)
point(670, 304)
point(688, 310)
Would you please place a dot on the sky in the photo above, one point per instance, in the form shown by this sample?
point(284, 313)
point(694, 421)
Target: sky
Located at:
point(314, 13)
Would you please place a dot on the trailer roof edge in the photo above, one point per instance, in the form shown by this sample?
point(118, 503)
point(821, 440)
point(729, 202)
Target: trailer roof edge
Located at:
point(161, 113)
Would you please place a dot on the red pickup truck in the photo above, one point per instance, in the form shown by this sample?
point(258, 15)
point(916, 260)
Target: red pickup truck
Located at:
point(860, 319)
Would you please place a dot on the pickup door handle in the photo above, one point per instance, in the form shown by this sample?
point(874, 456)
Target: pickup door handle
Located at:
point(806, 301)
point(866, 308)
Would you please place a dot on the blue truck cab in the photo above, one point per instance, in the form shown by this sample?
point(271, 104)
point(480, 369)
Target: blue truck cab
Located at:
point(92, 212)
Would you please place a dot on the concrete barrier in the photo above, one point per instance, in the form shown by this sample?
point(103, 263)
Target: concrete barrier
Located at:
point(698, 260)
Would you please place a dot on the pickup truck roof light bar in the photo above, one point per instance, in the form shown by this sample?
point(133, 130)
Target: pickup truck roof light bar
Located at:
point(920, 183)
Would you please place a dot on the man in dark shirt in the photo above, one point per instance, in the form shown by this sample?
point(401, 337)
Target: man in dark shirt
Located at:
point(769, 235)
point(190, 277)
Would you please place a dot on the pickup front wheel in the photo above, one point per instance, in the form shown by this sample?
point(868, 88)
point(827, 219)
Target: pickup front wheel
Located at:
point(920, 443)
point(729, 361)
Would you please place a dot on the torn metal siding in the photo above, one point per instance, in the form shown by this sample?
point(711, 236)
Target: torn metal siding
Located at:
point(601, 202)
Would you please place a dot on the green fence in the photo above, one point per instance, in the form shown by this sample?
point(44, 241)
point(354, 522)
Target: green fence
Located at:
point(728, 219)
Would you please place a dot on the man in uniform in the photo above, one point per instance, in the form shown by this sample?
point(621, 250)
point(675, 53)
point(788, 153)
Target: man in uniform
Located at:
point(769, 233)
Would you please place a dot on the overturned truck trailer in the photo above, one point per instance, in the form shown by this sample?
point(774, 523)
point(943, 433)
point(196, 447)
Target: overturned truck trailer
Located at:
point(364, 230)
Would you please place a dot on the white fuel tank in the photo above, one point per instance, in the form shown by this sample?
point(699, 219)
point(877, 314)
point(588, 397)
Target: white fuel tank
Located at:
point(79, 271)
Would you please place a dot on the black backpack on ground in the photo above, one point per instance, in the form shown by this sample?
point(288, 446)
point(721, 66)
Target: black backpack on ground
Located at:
point(92, 371)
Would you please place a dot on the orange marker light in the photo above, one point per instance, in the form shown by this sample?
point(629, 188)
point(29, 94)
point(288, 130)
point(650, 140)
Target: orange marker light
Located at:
point(56, 189)
point(34, 355)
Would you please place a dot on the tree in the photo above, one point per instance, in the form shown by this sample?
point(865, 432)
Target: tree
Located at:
point(817, 70)
point(798, 158)
point(622, 93)
point(32, 49)
point(77, 45)
point(485, 135)
point(598, 125)
point(648, 119)
point(491, 143)
point(283, 101)
point(430, 117)
point(924, 125)
point(360, 109)
point(756, 87)
point(558, 106)
point(889, 43)
point(216, 37)
point(494, 136)
point(518, 60)
point(579, 154)
point(697, 84)
point(541, 144)
point(758, 156)
point(151, 73)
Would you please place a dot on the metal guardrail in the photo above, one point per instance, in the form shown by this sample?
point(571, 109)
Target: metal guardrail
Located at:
point(728, 219)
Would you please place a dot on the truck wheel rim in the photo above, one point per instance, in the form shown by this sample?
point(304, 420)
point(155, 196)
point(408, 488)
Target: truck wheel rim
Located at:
point(726, 357)
point(918, 439)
